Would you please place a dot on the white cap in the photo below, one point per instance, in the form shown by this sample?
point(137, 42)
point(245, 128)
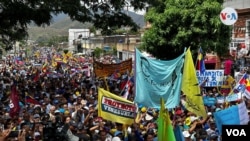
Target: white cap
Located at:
point(86, 107)
point(193, 118)
point(209, 113)
point(186, 134)
point(148, 117)
point(57, 111)
point(116, 139)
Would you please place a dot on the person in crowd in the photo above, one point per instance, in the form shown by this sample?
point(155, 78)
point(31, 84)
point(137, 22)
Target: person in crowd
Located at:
point(63, 105)
point(228, 66)
point(241, 53)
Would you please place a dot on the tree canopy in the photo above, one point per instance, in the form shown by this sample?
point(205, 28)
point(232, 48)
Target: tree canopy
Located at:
point(16, 15)
point(176, 24)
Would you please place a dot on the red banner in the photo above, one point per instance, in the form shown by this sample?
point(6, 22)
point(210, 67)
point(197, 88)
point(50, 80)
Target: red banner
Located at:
point(14, 102)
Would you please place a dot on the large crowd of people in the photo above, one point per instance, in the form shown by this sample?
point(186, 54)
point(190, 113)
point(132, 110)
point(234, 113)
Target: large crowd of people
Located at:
point(60, 103)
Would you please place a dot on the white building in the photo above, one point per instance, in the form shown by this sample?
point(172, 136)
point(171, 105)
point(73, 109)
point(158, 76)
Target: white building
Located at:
point(75, 33)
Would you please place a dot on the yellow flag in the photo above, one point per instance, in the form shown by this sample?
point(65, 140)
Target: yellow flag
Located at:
point(190, 87)
point(69, 54)
point(54, 63)
point(65, 60)
point(165, 129)
point(37, 54)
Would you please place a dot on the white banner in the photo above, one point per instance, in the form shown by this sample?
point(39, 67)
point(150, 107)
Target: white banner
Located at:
point(214, 77)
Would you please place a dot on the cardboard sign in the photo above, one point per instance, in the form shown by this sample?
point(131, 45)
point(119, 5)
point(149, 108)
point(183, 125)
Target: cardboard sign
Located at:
point(214, 77)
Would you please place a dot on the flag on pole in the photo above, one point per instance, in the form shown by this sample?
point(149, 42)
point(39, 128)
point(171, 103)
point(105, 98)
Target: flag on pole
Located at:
point(31, 100)
point(14, 102)
point(190, 87)
point(200, 65)
point(126, 90)
point(37, 76)
point(178, 133)
point(165, 129)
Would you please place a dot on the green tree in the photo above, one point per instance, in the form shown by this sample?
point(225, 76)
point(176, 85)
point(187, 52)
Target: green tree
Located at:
point(97, 52)
point(114, 51)
point(177, 24)
point(16, 15)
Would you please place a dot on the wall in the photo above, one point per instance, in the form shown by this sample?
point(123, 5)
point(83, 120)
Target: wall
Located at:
point(237, 4)
point(241, 29)
point(239, 33)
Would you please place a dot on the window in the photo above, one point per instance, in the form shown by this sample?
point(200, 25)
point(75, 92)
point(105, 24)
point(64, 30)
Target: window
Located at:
point(247, 28)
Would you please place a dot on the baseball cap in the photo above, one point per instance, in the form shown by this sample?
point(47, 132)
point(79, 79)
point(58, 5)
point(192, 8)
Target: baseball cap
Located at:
point(186, 134)
point(117, 133)
point(36, 116)
point(116, 139)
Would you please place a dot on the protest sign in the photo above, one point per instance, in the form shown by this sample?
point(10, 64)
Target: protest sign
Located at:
point(114, 108)
point(104, 70)
point(209, 101)
point(214, 77)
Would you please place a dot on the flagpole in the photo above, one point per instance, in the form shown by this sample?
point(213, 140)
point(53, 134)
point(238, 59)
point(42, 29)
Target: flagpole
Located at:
point(125, 85)
point(197, 59)
point(106, 83)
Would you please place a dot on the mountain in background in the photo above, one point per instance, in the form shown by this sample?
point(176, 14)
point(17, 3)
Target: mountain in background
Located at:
point(61, 23)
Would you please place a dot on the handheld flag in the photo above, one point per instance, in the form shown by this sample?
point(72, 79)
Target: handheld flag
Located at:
point(191, 88)
point(200, 62)
point(31, 100)
point(14, 102)
point(165, 129)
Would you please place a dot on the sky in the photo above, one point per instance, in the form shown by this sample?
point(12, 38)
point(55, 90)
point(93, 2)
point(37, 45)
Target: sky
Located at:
point(141, 12)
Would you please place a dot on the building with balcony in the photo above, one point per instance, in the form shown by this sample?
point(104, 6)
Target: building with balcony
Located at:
point(241, 29)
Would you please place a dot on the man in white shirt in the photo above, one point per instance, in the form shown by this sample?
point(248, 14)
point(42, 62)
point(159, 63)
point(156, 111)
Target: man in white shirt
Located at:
point(241, 53)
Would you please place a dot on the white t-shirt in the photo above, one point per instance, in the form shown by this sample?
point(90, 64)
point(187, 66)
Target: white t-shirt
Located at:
point(242, 52)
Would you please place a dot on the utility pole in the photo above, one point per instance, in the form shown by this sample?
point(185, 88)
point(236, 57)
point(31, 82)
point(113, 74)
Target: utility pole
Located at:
point(127, 36)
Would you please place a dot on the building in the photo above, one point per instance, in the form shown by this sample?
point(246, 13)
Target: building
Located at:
point(76, 36)
point(125, 50)
point(241, 29)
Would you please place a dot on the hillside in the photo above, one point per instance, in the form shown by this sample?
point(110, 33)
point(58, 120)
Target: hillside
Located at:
point(61, 23)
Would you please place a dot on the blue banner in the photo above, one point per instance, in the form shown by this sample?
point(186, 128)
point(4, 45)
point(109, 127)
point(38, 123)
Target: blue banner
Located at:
point(157, 79)
point(235, 115)
point(228, 116)
point(209, 101)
